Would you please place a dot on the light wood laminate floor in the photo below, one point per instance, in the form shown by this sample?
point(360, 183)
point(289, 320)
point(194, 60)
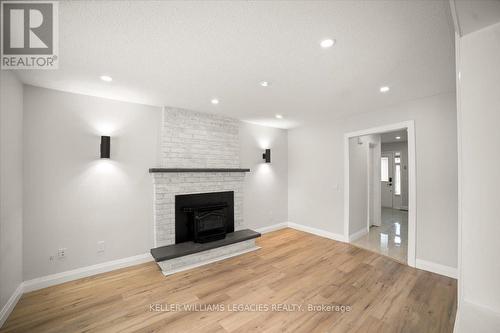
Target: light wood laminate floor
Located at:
point(293, 268)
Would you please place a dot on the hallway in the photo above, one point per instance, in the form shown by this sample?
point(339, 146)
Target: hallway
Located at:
point(391, 238)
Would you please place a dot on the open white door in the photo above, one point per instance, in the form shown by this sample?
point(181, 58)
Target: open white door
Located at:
point(374, 204)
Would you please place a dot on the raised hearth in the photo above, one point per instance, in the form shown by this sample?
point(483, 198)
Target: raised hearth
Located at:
point(183, 256)
point(186, 248)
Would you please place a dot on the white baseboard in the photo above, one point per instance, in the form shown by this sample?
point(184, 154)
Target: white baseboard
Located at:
point(358, 234)
point(317, 232)
point(437, 268)
point(274, 227)
point(472, 317)
point(51, 280)
point(421, 264)
point(11, 303)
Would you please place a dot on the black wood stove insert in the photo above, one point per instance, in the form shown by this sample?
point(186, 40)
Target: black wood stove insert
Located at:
point(203, 217)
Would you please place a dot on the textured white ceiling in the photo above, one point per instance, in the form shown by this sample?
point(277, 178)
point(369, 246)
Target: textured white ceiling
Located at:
point(391, 136)
point(476, 14)
point(183, 54)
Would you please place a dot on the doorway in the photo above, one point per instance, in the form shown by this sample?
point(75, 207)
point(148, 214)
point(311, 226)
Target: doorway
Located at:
point(379, 196)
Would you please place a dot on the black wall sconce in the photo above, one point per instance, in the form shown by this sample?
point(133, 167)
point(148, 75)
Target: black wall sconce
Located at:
point(105, 146)
point(267, 156)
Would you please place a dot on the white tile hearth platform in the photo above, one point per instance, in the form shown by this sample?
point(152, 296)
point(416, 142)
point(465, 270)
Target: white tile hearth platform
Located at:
point(187, 255)
point(207, 257)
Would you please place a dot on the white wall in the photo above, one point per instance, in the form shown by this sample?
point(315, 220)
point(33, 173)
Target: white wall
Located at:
point(479, 88)
point(266, 186)
point(315, 176)
point(11, 185)
point(74, 199)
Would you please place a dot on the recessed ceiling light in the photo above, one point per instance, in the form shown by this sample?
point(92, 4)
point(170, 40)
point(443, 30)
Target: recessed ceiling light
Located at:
point(326, 43)
point(264, 83)
point(384, 89)
point(398, 138)
point(215, 101)
point(106, 78)
point(279, 116)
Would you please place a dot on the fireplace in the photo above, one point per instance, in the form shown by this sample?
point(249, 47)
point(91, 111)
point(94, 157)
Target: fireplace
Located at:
point(207, 222)
point(203, 217)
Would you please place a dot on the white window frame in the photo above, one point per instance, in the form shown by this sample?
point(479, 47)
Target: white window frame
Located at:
point(384, 158)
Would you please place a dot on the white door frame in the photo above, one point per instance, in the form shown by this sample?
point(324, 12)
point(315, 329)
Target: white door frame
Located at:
point(412, 180)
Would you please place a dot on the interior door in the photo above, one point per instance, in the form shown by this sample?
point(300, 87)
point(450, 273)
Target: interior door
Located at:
point(386, 179)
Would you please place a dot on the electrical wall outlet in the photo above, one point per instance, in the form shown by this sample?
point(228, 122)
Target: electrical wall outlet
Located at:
point(61, 253)
point(101, 247)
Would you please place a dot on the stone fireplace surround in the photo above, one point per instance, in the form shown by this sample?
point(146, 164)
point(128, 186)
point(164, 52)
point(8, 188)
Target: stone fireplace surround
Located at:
point(199, 153)
point(166, 185)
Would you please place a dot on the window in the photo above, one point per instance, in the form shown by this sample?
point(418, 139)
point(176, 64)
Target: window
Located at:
point(384, 167)
point(397, 180)
point(397, 173)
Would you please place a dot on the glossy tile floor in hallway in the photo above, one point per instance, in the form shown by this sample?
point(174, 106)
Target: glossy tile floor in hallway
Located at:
point(391, 238)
